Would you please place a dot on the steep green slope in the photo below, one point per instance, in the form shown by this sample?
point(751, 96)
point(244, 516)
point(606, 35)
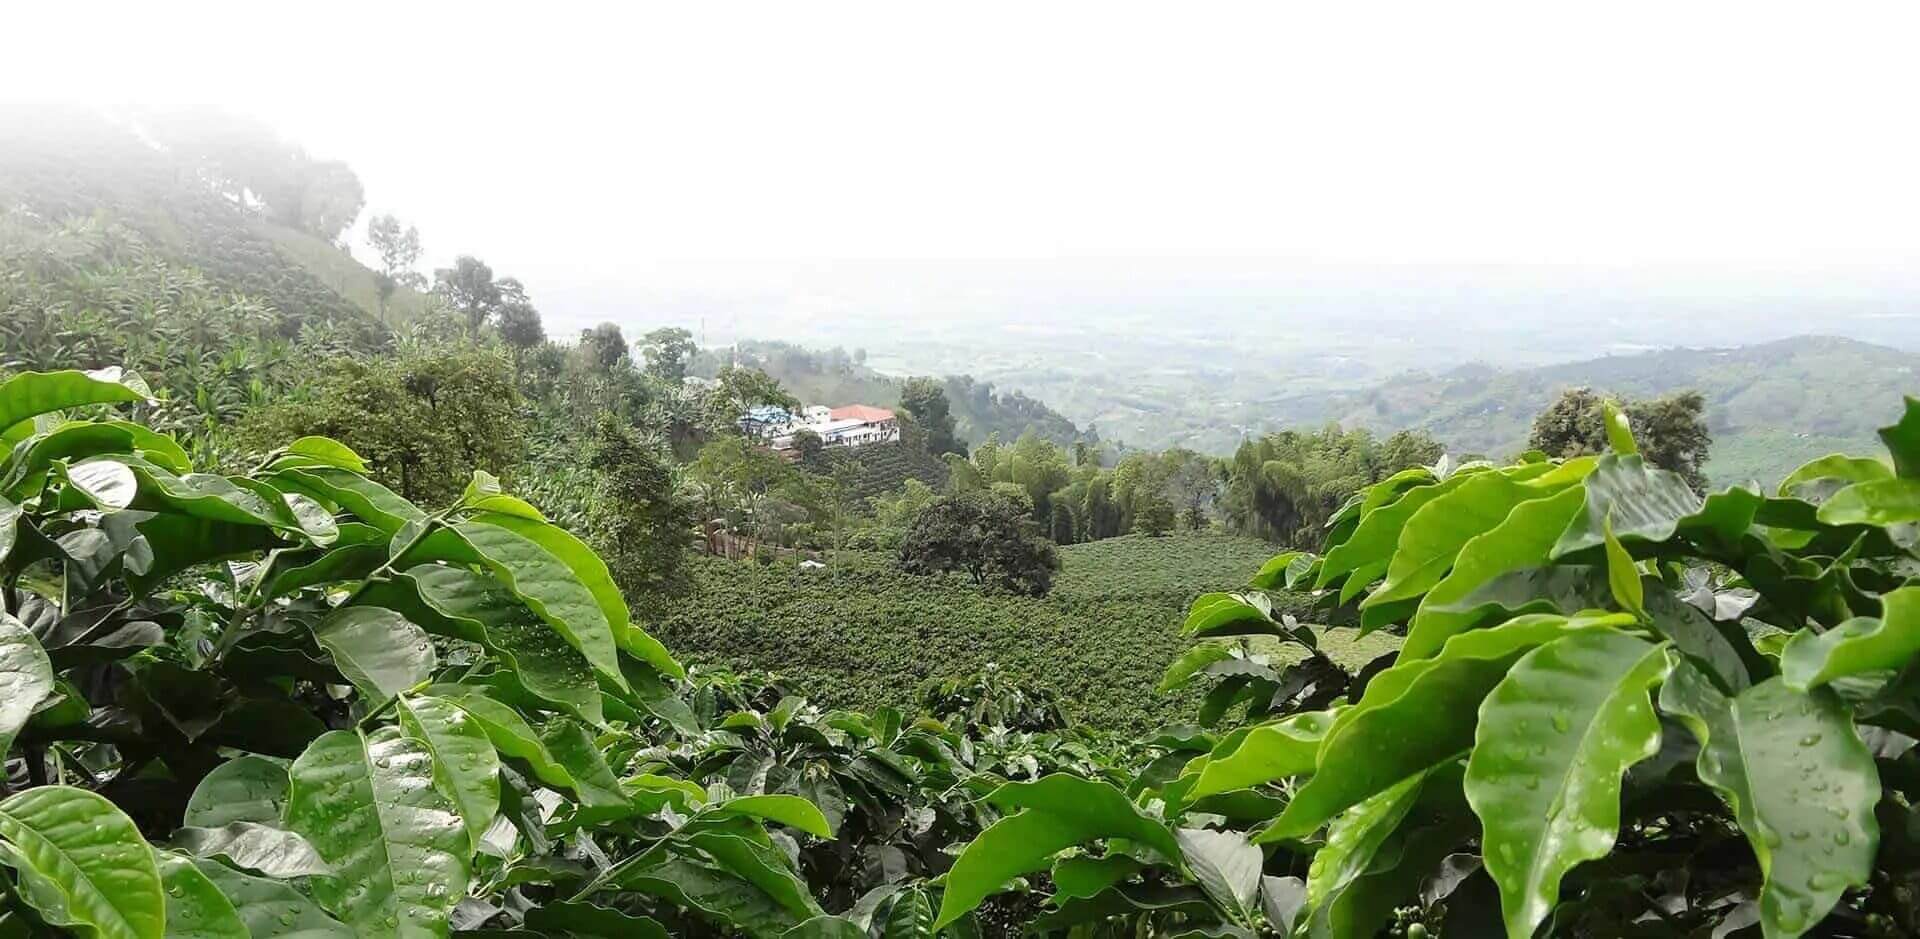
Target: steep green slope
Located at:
point(341, 273)
point(1770, 407)
point(864, 634)
point(61, 165)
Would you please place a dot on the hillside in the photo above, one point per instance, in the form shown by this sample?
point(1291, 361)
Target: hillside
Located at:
point(834, 376)
point(1770, 407)
point(863, 634)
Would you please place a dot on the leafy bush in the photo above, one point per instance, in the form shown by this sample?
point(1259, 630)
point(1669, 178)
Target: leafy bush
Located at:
point(1620, 709)
point(985, 534)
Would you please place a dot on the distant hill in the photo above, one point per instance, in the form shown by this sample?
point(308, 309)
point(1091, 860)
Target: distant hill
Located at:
point(834, 376)
point(1770, 407)
point(61, 165)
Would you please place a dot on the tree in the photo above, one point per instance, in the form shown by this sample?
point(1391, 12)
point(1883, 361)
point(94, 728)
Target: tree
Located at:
point(668, 351)
point(987, 535)
point(1154, 517)
point(605, 346)
point(425, 418)
point(926, 400)
point(734, 475)
point(736, 389)
point(1062, 527)
point(468, 286)
point(638, 519)
point(399, 251)
point(809, 445)
point(330, 198)
point(517, 320)
point(1672, 430)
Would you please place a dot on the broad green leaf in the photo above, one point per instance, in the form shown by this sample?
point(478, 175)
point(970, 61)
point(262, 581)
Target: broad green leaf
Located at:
point(1837, 467)
point(1434, 535)
point(509, 734)
point(745, 850)
point(1800, 782)
point(339, 563)
point(1861, 644)
point(465, 766)
point(1192, 662)
point(25, 470)
point(1643, 503)
point(1227, 868)
point(484, 494)
point(330, 452)
point(367, 803)
point(572, 747)
point(1056, 812)
point(377, 649)
point(465, 605)
point(1903, 440)
point(1282, 899)
point(265, 848)
point(1280, 570)
point(1521, 541)
point(1623, 576)
point(82, 864)
point(28, 395)
point(195, 906)
point(1266, 753)
point(542, 581)
point(1695, 634)
point(1880, 502)
point(26, 678)
point(236, 500)
point(365, 499)
point(10, 522)
point(592, 922)
point(592, 572)
point(246, 789)
point(1241, 614)
point(1414, 716)
point(1554, 738)
point(1354, 841)
point(271, 909)
point(1619, 430)
point(826, 927)
point(1374, 540)
point(695, 884)
point(789, 810)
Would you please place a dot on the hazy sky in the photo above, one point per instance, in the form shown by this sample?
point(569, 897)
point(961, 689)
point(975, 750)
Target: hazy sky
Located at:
point(596, 151)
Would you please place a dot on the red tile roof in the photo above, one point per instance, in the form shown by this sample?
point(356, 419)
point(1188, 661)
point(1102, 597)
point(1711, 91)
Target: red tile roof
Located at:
point(862, 412)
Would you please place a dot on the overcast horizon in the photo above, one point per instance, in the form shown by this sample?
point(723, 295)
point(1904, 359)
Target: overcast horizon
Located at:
point(666, 164)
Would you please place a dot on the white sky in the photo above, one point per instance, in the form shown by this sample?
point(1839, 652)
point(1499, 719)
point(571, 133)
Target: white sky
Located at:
point(583, 148)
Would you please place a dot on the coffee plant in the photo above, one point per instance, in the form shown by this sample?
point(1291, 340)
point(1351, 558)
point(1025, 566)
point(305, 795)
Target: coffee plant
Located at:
point(1619, 709)
point(292, 703)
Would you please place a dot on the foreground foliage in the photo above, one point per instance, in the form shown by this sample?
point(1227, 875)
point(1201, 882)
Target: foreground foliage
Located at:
point(1620, 709)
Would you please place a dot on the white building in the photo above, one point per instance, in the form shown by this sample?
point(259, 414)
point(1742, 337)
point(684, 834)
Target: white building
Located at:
point(851, 426)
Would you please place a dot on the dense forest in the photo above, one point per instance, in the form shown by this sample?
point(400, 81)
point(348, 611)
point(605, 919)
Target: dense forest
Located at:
point(342, 600)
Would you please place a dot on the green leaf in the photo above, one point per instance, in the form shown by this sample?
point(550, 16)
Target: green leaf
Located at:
point(542, 581)
point(236, 500)
point(326, 450)
point(826, 927)
point(1861, 644)
point(1414, 716)
point(1192, 662)
point(694, 884)
point(1623, 576)
point(25, 470)
point(367, 803)
point(573, 748)
point(247, 789)
point(1241, 614)
point(271, 909)
point(31, 394)
point(1642, 502)
point(1800, 782)
point(1373, 542)
point(745, 850)
point(367, 500)
point(195, 906)
point(465, 766)
point(1555, 737)
point(377, 649)
point(1057, 812)
point(1227, 868)
point(1435, 534)
point(1521, 541)
point(465, 605)
point(1081, 876)
point(1619, 430)
point(789, 810)
point(82, 864)
point(26, 678)
point(1903, 440)
point(1266, 753)
point(1880, 502)
point(592, 572)
point(509, 734)
point(1834, 467)
point(267, 849)
point(1354, 840)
